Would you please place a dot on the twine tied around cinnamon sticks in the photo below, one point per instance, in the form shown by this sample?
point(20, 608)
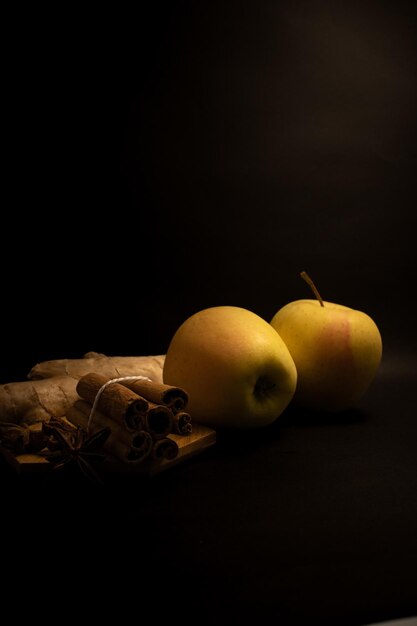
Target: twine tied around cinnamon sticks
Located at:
point(140, 413)
point(103, 387)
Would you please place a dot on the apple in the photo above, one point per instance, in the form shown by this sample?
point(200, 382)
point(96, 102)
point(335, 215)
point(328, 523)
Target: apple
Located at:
point(336, 350)
point(237, 371)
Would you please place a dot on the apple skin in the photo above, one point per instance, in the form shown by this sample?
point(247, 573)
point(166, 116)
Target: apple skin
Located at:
point(336, 350)
point(237, 371)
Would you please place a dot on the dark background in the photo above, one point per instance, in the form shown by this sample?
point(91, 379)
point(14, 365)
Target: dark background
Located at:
point(195, 154)
point(198, 154)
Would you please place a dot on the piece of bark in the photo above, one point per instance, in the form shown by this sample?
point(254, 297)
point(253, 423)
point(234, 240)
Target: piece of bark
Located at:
point(110, 366)
point(21, 439)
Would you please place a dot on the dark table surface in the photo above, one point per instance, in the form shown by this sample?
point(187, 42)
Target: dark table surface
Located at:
point(312, 518)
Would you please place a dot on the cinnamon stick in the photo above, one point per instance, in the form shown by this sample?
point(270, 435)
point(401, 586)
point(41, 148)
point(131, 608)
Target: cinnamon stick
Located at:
point(174, 397)
point(182, 423)
point(142, 444)
point(158, 420)
point(116, 400)
point(101, 420)
point(165, 448)
point(129, 448)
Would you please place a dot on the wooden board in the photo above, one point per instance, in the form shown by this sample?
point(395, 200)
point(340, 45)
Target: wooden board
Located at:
point(201, 438)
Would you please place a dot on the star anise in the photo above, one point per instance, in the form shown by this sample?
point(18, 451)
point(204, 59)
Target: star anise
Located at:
point(76, 448)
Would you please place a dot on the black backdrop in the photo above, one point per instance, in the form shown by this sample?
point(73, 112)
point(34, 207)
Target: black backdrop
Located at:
point(196, 154)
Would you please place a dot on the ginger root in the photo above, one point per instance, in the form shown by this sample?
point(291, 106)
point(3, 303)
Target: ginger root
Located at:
point(28, 402)
point(51, 388)
point(112, 366)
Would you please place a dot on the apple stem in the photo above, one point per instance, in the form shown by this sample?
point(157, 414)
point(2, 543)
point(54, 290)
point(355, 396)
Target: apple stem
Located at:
point(309, 282)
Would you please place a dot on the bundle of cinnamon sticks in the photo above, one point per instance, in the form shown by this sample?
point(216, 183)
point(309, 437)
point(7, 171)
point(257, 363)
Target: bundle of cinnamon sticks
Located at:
point(141, 415)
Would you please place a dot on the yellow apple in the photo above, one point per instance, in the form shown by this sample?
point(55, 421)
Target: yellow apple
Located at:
point(336, 350)
point(237, 371)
